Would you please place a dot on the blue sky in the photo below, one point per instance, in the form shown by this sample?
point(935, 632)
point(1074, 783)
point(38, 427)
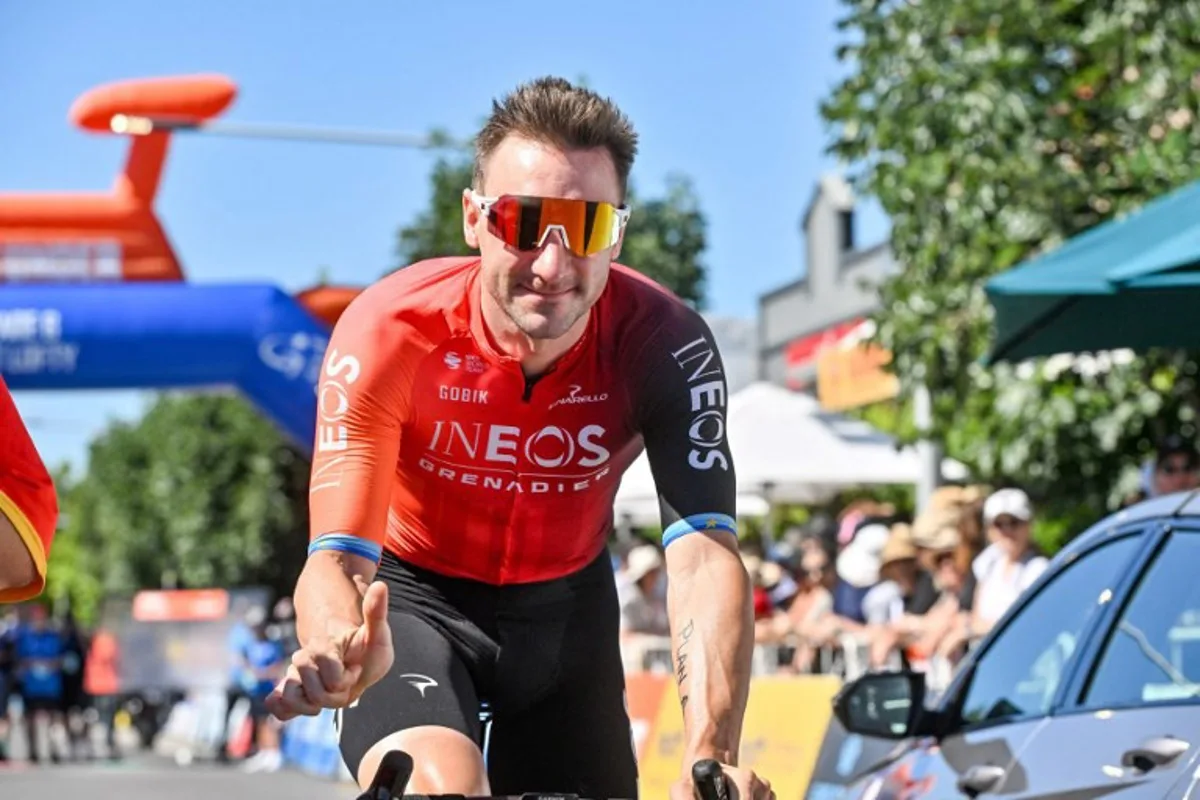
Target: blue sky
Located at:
point(725, 93)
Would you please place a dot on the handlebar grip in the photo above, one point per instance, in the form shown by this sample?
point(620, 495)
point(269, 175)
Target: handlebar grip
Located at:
point(709, 780)
point(391, 778)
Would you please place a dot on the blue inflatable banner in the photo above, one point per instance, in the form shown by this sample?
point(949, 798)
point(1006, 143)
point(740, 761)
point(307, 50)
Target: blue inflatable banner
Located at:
point(167, 335)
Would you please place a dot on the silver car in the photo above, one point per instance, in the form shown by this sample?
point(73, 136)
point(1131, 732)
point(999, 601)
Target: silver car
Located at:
point(1088, 687)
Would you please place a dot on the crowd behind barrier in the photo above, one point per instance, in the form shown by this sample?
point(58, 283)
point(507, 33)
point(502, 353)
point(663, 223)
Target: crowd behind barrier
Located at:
point(862, 590)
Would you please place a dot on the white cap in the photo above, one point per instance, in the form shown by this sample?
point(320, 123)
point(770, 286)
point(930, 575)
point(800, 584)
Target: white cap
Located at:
point(1012, 502)
point(642, 560)
point(858, 563)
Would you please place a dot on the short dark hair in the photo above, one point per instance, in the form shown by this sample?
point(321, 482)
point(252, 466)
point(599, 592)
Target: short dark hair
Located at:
point(553, 111)
point(1176, 445)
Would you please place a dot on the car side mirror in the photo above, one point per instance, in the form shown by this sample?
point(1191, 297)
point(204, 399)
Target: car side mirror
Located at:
point(882, 704)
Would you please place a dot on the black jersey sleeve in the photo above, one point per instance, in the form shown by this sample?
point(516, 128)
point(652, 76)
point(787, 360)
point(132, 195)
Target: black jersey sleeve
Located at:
point(681, 410)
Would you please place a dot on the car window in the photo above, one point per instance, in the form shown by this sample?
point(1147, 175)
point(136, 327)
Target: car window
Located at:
point(1023, 665)
point(1153, 652)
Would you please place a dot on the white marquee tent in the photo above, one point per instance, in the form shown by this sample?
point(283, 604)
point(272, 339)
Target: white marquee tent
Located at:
point(786, 449)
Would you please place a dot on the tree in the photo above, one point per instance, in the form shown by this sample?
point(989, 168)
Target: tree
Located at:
point(437, 231)
point(665, 239)
point(989, 132)
point(202, 491)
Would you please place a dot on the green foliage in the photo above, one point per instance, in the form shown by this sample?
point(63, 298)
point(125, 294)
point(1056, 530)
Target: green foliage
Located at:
point(990, 131)
point(438, 230)
point(665, 239)
point(202, 491)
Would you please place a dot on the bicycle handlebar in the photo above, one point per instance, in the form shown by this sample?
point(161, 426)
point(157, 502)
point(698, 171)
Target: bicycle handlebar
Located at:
point(709, 780)
point(396, 769)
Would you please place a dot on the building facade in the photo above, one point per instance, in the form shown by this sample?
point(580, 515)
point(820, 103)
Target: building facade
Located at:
point(836, 294)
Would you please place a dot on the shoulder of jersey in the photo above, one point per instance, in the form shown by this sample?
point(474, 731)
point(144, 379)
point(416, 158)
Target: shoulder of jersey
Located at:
point(637, 297)
point(424, 289)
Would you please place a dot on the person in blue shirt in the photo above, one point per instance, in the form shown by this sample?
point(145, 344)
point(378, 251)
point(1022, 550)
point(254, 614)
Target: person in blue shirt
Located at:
point(263, 664)
point(240, 635)
point(39, 650)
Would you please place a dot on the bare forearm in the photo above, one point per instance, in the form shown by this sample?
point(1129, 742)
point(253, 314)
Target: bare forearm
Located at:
point(712, 636)
point(329, 594)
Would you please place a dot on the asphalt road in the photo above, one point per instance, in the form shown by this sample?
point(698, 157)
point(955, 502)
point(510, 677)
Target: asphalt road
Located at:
point(149, 778)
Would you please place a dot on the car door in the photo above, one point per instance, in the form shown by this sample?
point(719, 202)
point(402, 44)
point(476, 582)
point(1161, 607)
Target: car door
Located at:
point(1005, 693)
point(1130, 723)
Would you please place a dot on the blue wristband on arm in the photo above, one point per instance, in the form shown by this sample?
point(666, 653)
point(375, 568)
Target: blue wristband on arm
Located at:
point(699, 522)
point(346, 543)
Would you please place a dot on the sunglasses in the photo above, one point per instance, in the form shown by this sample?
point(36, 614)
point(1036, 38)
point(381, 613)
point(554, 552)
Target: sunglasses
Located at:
point(943, 558)
point(523, 221)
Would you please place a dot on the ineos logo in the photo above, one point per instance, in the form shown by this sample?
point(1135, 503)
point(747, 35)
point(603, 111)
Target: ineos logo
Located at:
point(549, 447)
point(333, 403)
point(706, 430)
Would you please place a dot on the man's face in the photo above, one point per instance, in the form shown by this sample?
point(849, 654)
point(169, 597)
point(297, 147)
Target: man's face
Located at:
point(545, 292)
point(1174, 474)
point(814, 566)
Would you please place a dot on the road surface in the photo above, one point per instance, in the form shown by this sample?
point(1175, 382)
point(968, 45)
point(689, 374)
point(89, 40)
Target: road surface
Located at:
point(150, 778)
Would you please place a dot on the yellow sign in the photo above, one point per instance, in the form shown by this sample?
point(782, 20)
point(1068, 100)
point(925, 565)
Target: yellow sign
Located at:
point(850, 377)
point(781, 738)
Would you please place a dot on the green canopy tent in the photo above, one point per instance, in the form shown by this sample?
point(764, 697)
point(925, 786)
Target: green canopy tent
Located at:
point(1132, 282)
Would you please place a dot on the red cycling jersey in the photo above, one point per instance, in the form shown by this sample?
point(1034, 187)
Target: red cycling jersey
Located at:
point(27, 495)
point(432, 444)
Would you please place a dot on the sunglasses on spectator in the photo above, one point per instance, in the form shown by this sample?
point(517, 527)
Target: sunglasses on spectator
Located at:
point(943, 558)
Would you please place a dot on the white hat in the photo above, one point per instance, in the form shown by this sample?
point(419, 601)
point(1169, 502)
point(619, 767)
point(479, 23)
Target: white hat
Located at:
point(858, 563)
point(1012, 502)
point(642, 560)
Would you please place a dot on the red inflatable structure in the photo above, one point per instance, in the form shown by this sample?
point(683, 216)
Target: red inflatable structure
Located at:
point(116, 235)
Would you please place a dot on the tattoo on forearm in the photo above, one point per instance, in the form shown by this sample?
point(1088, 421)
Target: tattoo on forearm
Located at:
point(681, 659)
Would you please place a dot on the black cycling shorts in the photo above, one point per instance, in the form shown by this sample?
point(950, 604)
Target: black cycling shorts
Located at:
point(544, 657)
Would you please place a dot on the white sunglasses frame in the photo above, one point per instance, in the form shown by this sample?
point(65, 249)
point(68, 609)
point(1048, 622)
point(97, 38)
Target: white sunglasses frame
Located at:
point(483, 203)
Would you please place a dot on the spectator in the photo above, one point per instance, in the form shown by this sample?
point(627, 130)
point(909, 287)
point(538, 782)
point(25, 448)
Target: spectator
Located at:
point(40, 651)
point(641, 593)
point(905, 588)
point(945, 556)
point(263, 664)
point(906, 591)
point(1175, 466)
point(240, 636)
point(75, 701)
point(283, 625)
point(101, 682)
point(858, 570)
point(8, 676)
point(810, 608)
point(1009, 565)
point(773, 589)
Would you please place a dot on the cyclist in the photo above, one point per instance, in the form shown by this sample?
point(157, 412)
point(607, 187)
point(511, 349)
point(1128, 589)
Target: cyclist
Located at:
point(475, 417)
point(28, 508)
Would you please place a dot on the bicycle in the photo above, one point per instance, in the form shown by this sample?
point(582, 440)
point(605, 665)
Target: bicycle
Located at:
point(397, 766)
